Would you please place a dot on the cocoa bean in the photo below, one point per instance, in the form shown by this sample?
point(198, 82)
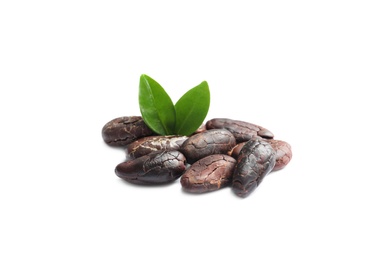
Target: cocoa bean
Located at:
point(255, 161)
point(210, 173)
point(155, 168)
point(282, 149)
point(124, 130)
point(242, 131)
point(215, 141)
point(146, 145)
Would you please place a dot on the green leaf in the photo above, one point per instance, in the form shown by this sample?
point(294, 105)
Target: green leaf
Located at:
point(191, 109)
point(156, 106)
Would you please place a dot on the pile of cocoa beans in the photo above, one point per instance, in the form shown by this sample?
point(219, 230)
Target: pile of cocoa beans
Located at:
point(221, 153)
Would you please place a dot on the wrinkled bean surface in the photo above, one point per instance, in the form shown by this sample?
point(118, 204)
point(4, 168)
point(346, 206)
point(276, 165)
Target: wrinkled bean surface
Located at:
point(155, 168)
point(124, 130)
point(255, 161)
point(208, 174)
point(150, 144)
point(215, 141)
point(242, 131)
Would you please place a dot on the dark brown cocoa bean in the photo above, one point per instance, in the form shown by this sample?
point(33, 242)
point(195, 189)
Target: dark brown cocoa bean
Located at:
point(215, 141)
point(124, 130)
point(283, 153)
point(208, 174)
point(282, 150)
point(155, 168)
point(255, 161)
point(146, 145)
point(242, 131)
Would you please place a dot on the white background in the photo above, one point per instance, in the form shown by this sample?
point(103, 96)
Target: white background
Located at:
point(313, 72)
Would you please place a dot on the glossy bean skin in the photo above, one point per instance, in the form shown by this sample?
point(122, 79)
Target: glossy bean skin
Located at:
point(122, 131)
point(146, 145)
point(155, 168)
point(210, 173)
point(282, 149)
point(242, 131)
point(215, 141)
point(255, 161)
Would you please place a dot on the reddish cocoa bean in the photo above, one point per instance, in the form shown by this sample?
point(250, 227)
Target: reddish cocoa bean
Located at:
point(124, 130)
point(208, 174)
point(255, 161)
point(215, 141)
point(150, 144)
point(242, 131)
point(283, 153)
point(155, 168)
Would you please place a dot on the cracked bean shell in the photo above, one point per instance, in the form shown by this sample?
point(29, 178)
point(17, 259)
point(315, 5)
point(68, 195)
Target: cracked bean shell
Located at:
point(208, 174)
point(146, 145)
point(242, 131)
point(255, 161)
point(155, 168)
point(124, 130)
point(215, 141)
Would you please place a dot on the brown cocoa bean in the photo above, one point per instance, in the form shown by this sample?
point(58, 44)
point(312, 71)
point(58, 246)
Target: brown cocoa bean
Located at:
point(255, 161)
point(146, 145)
point(210, 173)
point(155, 168)
point(283, 153)
point(124, 130)
point(242, 131)
point(215, 141)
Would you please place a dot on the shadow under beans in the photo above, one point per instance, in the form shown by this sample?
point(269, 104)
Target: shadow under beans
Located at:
point(183, 191)
point(187, 193)
point(145, 185)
